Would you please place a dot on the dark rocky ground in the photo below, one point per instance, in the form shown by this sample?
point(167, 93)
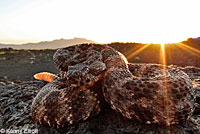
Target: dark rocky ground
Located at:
point(18, 88)
point(16, 99)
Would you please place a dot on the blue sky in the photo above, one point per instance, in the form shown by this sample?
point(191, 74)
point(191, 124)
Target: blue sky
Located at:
point(102, 21)
point(10, 6)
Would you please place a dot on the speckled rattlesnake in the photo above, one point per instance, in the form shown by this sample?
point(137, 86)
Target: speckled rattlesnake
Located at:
point(91, 72)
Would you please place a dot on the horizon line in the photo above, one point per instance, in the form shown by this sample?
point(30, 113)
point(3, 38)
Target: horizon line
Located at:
point(40, 41)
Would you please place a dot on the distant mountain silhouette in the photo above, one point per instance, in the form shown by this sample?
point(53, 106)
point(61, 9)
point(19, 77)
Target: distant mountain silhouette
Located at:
point(59, 43)
point(194, 39)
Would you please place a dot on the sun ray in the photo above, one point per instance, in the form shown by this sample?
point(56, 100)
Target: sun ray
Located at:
point(165, 90)
point(189, 49)
point(137, 51)
point(163, 55)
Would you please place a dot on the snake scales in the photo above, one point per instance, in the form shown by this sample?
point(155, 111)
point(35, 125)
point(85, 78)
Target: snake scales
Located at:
point(90, 73)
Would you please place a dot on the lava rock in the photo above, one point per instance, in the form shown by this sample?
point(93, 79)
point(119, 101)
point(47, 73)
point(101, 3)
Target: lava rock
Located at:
point(16, 99)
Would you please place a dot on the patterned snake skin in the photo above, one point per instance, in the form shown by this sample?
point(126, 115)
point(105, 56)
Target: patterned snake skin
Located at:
point(90, 73)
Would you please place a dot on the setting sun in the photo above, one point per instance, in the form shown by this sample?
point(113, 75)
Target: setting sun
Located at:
point(102, 21)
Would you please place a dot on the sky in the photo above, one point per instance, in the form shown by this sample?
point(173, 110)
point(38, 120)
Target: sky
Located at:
point(103, 21)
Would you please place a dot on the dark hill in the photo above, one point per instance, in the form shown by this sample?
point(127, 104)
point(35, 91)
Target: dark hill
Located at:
point(59, 43)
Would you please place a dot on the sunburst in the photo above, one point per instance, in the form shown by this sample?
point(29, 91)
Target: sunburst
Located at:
point(163, 61)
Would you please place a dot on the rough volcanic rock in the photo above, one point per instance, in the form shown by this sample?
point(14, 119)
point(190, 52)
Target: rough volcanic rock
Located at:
point(16, 99)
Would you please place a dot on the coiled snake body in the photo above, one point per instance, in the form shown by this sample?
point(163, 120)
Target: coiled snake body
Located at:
point(90, 73)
